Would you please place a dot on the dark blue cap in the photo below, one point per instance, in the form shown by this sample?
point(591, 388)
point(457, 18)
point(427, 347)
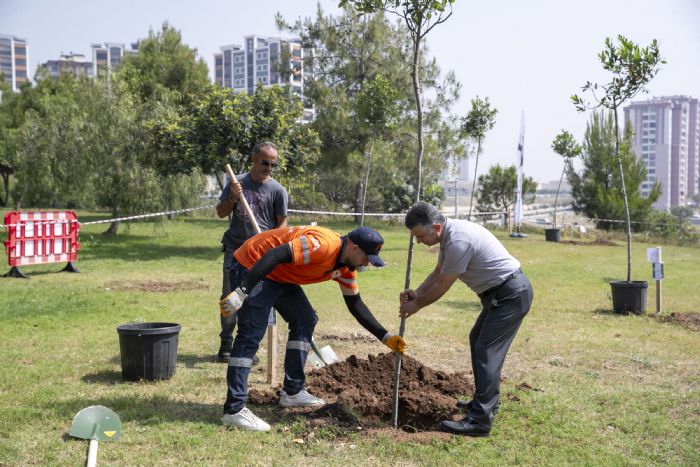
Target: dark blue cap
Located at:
point(370, 242)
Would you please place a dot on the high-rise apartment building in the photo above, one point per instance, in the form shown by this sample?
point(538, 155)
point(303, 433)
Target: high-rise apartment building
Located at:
point(108, 56)
point(265, 60)
point(667, 139)
point(14, 57)
point(75, 64)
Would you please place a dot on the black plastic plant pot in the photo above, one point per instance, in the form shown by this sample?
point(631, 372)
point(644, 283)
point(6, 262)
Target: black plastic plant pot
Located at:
point(148, 350)
point(629, 297)
point(552, 235)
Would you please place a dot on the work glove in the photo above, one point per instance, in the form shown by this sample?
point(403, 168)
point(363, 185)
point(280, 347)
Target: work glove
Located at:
point(232, 302)
point(394, 342)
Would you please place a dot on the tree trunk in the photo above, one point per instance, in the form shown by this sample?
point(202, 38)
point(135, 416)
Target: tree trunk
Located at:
point(358, 202)
point(6, 181)
point(114, 226)
point(364, 190)
point(476, 166)
point(556, 198)
point(624, 196)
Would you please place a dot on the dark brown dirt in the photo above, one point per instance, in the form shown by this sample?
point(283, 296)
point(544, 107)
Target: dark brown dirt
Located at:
point(687, 320)
point(154, 286)
point(359, 393)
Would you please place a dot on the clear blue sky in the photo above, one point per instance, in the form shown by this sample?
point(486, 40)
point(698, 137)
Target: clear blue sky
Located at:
point(524, 55)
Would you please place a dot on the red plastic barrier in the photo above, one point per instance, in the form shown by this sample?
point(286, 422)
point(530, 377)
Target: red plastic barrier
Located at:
point(41, 237)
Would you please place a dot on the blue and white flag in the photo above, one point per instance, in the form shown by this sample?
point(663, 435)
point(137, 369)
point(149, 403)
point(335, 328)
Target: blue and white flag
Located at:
point(519, 167)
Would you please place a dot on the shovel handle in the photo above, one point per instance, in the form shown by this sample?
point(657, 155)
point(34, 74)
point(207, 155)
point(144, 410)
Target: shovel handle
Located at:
point(92, 454)
point(242, 200)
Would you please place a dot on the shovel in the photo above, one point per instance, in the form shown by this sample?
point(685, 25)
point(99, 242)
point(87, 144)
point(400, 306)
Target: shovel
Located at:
point(96, 423)
point(322, 357)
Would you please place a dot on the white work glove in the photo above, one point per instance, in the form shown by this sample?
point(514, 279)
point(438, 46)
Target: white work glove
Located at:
point(232, 302)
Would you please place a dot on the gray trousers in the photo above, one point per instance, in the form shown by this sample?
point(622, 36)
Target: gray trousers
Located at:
point(490, 338)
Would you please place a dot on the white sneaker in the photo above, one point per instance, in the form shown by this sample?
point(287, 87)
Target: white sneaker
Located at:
point(246, 420)
point(301, 399)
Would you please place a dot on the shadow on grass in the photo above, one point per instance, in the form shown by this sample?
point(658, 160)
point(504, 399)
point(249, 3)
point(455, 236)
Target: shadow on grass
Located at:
point(103, 377)
point(143, 248)
point(151, 410)
point(461, 305)
point(193, 361)
point(154, 410)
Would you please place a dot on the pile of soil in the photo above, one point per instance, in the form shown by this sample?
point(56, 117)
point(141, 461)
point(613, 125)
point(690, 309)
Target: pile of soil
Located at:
point(688, 320)
point(359, 393)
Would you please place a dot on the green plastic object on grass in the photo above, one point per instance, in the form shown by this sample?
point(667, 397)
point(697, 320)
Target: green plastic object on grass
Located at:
point(96, 423)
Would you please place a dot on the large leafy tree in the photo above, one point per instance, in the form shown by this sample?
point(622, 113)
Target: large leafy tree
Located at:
point(597, 189)
point(220, 127)
point(164, 65)
point(480, 119)
point(632, 68)
point(497, 189)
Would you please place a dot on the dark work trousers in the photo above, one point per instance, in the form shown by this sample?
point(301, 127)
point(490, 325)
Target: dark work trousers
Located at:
point(227, 323)
point(292, 304)
point(490, 338)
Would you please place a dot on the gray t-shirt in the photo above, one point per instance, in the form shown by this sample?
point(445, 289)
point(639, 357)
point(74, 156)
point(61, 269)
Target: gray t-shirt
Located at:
point(474, 253)
point(267, 200)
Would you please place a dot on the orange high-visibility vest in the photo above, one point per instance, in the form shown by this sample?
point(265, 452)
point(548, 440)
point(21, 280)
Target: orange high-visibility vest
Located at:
point(314, 254)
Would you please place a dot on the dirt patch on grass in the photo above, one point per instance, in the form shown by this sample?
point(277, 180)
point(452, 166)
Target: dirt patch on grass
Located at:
point(687, 320)
point(597, 242)
point(155, 286)
point(363, 338)
point(359, 394)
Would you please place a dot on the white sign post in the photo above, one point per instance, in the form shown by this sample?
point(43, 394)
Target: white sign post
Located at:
point(657, 272)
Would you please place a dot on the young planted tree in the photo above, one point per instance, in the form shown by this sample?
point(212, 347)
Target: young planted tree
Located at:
point(480, 119)
point(420, 17)
point(632, 68)
point(377, 110)
point(566, 146)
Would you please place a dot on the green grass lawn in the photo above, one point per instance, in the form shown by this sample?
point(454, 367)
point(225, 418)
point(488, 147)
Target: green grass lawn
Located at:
point(581, 384)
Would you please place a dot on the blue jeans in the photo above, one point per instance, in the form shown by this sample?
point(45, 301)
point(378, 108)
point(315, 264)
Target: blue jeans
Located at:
point(489, 340)
point(227, 323)
point(292, 304)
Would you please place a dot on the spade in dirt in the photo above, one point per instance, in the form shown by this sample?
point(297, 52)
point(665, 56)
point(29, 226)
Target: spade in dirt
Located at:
point(96, 423)
point(322, 357)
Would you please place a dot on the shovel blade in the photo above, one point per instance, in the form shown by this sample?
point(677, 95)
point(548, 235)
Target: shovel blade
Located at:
point(96, 422)
point(328, 356)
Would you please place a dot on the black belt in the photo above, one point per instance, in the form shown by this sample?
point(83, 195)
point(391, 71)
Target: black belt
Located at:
point(495, 288)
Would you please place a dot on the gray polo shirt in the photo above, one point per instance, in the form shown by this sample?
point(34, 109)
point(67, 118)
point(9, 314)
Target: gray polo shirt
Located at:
point(267, 200)
point(474, 253)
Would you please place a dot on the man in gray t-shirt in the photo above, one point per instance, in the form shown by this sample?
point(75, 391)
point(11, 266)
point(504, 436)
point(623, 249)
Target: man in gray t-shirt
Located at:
point(472, 254)
point(268, 200)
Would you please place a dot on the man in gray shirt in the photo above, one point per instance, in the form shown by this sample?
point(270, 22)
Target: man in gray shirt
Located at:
point(268, 200)
point(472, 254)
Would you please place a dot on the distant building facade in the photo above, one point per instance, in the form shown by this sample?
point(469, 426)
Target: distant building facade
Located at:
point(260, 61)
point(667, 139)
point(75, 64)
point(106, 57)
point(14, 58)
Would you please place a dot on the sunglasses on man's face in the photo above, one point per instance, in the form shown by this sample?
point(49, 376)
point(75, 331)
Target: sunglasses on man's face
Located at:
point(269, 164)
